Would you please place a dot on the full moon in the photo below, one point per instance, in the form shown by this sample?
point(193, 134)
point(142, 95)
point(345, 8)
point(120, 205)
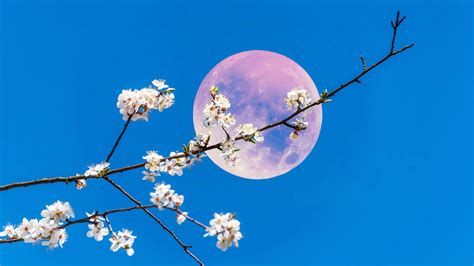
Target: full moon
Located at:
point(256, 83)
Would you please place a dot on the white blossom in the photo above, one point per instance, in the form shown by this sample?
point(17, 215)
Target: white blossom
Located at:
point(57, 238)
point(149, 176)
point(216, 111)
point(227, 229)
point(139, 103)
point(97, 229)
point(172, 166)
point(249, 132)
point(297, 98)
point(165, 101)
point(230, 151)
point(48, 229)
point(97, 169)
point(81, 183)
point(58, 211)
point(8, 230)
point(165, 197)
point(123, 240)
point(27, 230)
point(115, 243)
point(159, 84)
point(300, 123)
point(181, 217)
point(153, 161)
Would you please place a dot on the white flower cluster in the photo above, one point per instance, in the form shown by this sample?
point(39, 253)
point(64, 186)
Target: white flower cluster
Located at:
point(165, 197)
point(123, 240)
point(249, 133)
point(176, 162)
point(157, 163)
point(97, 169)
point(297, 98)
point(227, 229)
point(140, 102)
point(216, 111)
point(97, 229)
point(48, 229)
point(230, 151)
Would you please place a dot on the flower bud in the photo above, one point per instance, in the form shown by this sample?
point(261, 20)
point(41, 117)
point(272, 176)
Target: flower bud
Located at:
point(81, 183)
point(294, 135)
point(214, 90)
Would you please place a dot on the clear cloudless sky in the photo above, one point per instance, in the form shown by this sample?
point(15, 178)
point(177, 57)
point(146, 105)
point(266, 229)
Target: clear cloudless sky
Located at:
point(389, 181)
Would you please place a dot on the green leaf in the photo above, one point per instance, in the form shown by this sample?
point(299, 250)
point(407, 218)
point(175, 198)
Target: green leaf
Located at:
point(214, 89)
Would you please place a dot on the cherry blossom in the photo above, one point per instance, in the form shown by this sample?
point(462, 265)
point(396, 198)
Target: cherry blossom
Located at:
point(230, 151)
point(153, 161)
point(97, 230)
point(181, 217)
point(249, 133)
point(48, 230)
point(81, 183)
point(216, 111)
point(58, 211)
point(165, 197)
point(297, 98)
point(8, 230)
point(123, 240)
point(227, 229)
point(58, 238)
point(97, 169)
point(149, 176)
point(138, 103)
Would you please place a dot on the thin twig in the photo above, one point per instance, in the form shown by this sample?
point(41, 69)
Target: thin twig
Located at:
point(111, 153)
point(364, 64)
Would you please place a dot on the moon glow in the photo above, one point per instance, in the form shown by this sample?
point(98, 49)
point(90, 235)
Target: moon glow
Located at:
point(256, 83)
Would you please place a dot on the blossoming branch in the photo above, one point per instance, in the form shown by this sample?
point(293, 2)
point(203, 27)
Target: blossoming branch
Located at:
point(133, 105)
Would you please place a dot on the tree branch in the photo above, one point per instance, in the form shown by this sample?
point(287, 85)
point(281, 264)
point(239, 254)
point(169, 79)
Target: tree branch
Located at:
point(356, 79)
point(323, 99)
point(163, 226)
point(111, 153)
point(106, 213)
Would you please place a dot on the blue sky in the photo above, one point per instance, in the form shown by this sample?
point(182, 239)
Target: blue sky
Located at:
point(389, 181)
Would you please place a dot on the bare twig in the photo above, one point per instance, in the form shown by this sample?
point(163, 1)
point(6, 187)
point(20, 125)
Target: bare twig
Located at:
point(125, 126)
point(395, 26)
point(226, 133)
point(364, 64)
point(290, 125)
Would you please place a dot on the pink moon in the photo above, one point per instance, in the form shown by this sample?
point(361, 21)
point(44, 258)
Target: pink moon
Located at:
point(256, 83)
